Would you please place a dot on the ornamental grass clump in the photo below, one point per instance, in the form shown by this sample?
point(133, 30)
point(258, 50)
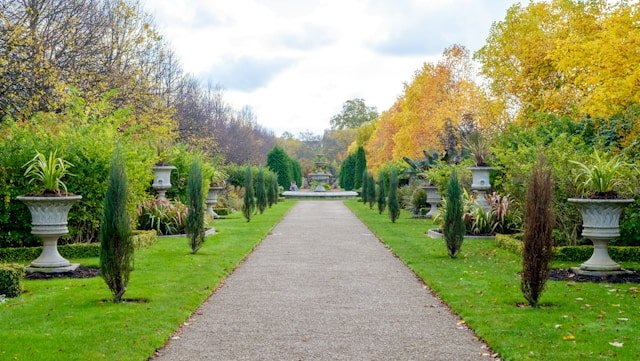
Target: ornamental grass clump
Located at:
point(602, 176)
point(116, 245)
point(261, 192)
point(538, 225)
point(48, 171)
point(392, 199)
point(249, 205)
point(382, 201)
point(195, 216)
point(453, 228)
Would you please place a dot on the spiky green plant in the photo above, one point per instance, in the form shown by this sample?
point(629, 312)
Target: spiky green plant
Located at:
point(454, 228)
point(371, 189)
point(116, 246)
point(261, 193)
point(392, 199)
point(601, 176)
point(537, 248)
point(195, 217)
point(249, 200)
point(382, 201)
point(48, 171)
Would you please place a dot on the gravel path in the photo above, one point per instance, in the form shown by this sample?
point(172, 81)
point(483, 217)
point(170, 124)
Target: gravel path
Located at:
point(322, 287)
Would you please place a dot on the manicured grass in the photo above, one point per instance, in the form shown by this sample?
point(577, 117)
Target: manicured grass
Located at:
point(72, 319)
point(577, 321)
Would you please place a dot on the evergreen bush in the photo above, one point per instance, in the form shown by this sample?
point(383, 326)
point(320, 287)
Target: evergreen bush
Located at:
point(371, 189)
point(392, 199)
point(272, 196)
point(116, 251)
point(347, 172)
point(382, 201)
point(261, 193)
point(364, 192)
point(195, 216)
point(10, 280)
point(537, 249)
point(278, 161)
point(454, 228)
point(360, 167)
point(249, 204)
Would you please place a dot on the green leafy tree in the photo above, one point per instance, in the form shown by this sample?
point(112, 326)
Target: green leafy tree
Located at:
point(537, 248)
point(454, 228)
point(347, 172)
point(261, 193)
point(354, 113)
point(195, 217)
point(392, 199)
point(116, 246)
point(371, 190)
point(278, 161)
point(249, 201)
point(382, 201)
point(360, 167)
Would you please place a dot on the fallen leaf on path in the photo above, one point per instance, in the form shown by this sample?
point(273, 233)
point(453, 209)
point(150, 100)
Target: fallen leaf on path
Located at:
point(616, 344)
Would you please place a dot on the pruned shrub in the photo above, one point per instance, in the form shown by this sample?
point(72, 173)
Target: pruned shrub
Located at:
point(195, 216)
point(249, 204)
point(371, 189)
point(162, 216)
point(116, 252)
point(364, 183)
point(382, 201)
point(261, 192)
point(360, 168)
point(392, 199)
point(537, 243)
point(10, 280)
point(453, 228)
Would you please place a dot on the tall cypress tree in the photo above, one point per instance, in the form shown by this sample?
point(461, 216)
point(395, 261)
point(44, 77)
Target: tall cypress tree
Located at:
point(360, 167)
point(249, 201)
point(371, 189)
point(347, 170)
point(276, 190)
point(195, 218)
point(116, 246)
point(271, 191)
point(364, 193)
point(278, 161)
point(454, 228)
point(297, 172)
point(382, 202)
point(261, 192)
point(392, 199)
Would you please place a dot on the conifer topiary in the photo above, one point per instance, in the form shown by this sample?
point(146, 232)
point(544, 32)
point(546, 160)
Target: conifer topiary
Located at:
point(371, 189)
point(195, 218)
point(392, 199)
point(278, 161)
point(347, 172)
point(454, 228)
point(261, 193)
point(364, 192)
point(537, 248)
point(116, 246)
point(275, 186)
point(249, 201)
point(382, 201)
point(360, 167)
point(271, 190)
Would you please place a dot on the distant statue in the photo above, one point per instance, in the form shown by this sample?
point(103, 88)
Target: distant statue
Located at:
point(293, 187)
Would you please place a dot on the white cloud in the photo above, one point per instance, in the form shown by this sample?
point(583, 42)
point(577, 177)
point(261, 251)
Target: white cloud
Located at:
point(295, 62)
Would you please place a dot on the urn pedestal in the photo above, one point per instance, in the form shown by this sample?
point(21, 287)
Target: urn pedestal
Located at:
point(481, 184)
point(433, 199)
point(49, 222)
point(212, 199)
point(162, 179)
point(600, 223)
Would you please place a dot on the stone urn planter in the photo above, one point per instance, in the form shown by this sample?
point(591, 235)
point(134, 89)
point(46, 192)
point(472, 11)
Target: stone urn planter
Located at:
point(601, 223)
point(162, 179)
point(49, 222)
point(212, 199)
point(433, 199)
point(481, 184)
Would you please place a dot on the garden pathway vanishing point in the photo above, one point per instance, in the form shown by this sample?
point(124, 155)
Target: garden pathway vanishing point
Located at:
point(321, 286)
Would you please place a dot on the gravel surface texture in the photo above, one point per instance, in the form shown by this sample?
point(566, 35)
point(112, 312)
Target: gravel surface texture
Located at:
point(321, 286)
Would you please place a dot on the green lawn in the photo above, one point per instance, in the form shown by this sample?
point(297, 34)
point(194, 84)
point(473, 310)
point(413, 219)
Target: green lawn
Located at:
point(71, 319)
point(578, 321)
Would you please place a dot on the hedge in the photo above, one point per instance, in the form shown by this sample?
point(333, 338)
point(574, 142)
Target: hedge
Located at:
point(10, 280)
point(141, 239)
point(572, 253)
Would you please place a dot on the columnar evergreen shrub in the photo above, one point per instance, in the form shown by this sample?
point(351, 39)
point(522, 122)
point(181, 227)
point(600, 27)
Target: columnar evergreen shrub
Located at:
point(364, 194)
point(360, 167)
point(249, 201)
point(195, 216)
point(382, 201)
point(270, 181)
point(371, 189)
point(454, 228)
point(347, 172)
point(261, 193)
point(296, 172)
point(10, 280)
point(278, 161)
point(537, 250)
point(275, 186)
point(392, 199)
point(116, 251)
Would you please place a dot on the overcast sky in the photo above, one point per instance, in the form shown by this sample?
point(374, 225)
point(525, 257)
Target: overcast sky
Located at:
point(295, 62)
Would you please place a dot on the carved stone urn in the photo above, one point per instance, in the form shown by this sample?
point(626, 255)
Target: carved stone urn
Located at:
point(162, 179)
point(212, 199)
point(600, 223)
point(49, 222)
point(433, 199)
point(481, 184)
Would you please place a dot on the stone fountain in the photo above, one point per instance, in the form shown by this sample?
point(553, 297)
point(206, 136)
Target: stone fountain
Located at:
point(320, 174)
